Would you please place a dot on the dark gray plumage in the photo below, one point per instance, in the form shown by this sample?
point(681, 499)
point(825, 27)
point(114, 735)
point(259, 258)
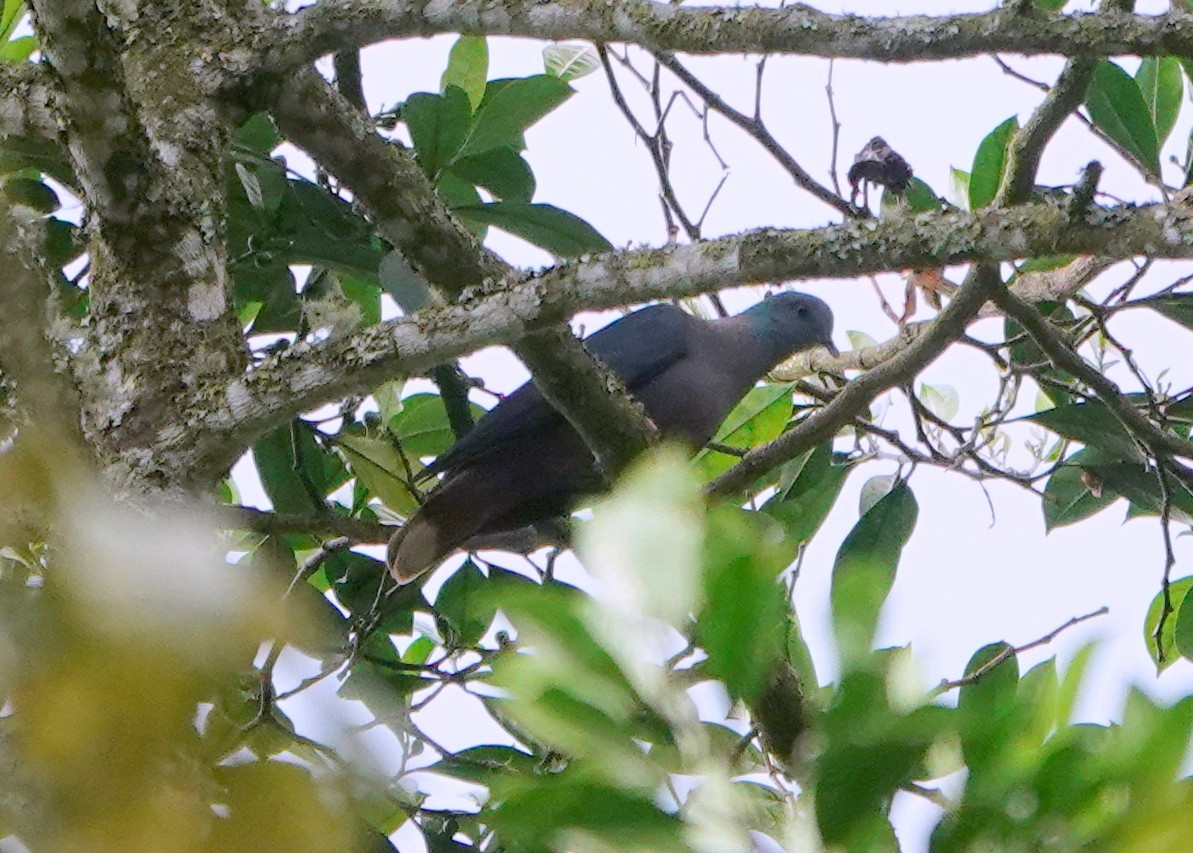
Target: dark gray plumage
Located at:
point(523, 463)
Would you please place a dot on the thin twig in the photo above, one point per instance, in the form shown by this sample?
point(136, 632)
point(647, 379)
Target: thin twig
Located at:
point(1009, 652)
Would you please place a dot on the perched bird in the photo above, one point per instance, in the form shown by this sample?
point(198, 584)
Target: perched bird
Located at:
point(523, 463)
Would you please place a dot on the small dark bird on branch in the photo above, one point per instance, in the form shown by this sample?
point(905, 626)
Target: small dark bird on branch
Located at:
point(523, 464)
point(878, 163)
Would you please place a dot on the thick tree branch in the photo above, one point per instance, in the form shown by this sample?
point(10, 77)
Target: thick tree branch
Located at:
point(391, 185)
point(616, 441)
point(328, 27)
point(46, 396)
point(148, 158)
point(25, 102)
point(306, 375)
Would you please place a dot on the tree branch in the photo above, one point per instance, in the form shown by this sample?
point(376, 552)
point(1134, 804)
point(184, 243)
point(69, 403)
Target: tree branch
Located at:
point(798, 29)
point(616, 441)
point(25, 102)
point(385, 178)
point(308, 374)
point(858, 394)
point(1160, 441)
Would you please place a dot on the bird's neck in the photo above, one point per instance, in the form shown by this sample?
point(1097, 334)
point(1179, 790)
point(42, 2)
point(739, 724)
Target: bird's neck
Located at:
point(752, 351)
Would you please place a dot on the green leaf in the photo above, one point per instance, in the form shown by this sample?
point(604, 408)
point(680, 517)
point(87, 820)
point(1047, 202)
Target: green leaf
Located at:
point(1183, 634)
point(989, 164)
point(1117, 108)
point(502, 171)
point(1168, 652)
point(464, 606)
point(480, 764)
point(409, 289)
point(422, 426)
point(1068, 499)
point(438, 125)
point(570, 61)
point(741, 626)
point(644, 541)
point(942, 400)
point(467, 68)
point(376, 464)
point(917, 198)
point(259, 135)
point(807, 492)
point(986, 705)
point(1092, 424)
point(509, 108)
point(865, 569)
point(533, 817)
point(1177, 307)
point(295, 470)
point(1159, 80)
point(559, 232)
point(1050, 5)
point(18, 49)
point(759, 417)
point(11, 15)
point(32, 193)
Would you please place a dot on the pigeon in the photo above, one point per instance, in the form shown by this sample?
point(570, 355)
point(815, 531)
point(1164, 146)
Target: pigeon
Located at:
point(524, 464)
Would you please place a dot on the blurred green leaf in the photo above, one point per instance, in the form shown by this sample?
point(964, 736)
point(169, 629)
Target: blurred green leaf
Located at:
point(917, 198)
point(1177, 307)
point(467, 68)
point(539, 817)
point(865, 569)
point(987, 704)
point(741, 626)
point(989, 164)
point(510, 107)
point(31, 193)
point(870, 751)
point(1118, 109)
point(559, 232)
point(18, 49)
point(480, 764)
point(959, 192)
point(1159, 80)
point(462, 604)
point(10, 16)
point(1183, 634)
point(942, 400)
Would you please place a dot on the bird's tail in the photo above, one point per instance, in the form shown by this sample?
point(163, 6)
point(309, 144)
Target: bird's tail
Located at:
point(413, 549)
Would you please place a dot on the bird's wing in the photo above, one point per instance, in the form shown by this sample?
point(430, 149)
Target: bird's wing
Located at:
point(637, 348)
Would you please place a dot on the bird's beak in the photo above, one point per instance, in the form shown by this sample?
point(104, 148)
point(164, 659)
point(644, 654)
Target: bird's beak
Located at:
point(831, 347)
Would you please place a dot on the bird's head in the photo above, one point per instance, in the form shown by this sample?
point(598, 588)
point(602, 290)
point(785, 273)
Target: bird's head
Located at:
point(791, 322)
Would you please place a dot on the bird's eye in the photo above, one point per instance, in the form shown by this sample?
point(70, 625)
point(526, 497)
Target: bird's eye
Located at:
point(801, 311)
